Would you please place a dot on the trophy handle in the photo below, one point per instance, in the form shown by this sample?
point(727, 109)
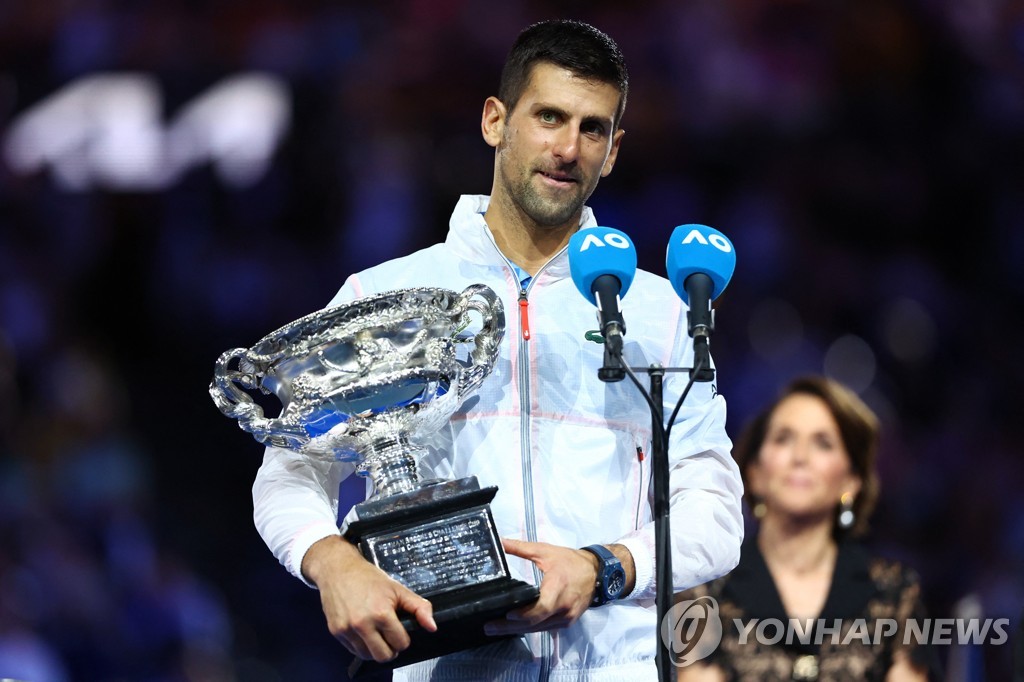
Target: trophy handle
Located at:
point(234, 402)
point(482, 299)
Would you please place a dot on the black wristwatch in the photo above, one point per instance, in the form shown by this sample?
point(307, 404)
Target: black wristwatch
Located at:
point(611, 578)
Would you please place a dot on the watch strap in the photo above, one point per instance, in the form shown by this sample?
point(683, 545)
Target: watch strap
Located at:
point(607, 562)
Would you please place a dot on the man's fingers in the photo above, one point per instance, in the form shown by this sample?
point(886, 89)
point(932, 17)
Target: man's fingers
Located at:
point(394, 636)
point(522, 548)
point(525, 618)
point(377, 632)
point(386, 637)
point(419, 607)
point(352, 649)
point(380, 650)
point(511, 544)
point(353, 643)
point(379, 638)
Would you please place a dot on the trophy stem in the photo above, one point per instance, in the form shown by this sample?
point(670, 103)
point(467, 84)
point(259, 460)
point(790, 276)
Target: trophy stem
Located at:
point(391, 465)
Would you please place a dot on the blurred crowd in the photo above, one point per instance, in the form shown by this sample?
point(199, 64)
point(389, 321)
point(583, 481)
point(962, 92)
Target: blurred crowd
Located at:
point(864, 157)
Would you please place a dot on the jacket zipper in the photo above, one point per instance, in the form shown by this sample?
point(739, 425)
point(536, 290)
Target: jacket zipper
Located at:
point(546, 643)
point(524, 431)
point(524, 315)
point(524, 420)
point(641, 457)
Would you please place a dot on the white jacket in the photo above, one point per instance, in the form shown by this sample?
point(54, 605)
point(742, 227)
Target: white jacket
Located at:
point(569, 453)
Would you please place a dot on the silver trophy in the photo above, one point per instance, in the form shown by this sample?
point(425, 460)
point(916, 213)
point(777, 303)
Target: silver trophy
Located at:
point(368, 382)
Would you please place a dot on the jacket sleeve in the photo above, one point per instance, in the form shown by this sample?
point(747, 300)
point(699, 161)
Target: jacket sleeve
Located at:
point(295, 503)
point(705, 491)
point(295, 497)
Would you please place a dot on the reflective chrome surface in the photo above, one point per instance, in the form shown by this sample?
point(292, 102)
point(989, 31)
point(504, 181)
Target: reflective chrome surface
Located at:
point(358, 382)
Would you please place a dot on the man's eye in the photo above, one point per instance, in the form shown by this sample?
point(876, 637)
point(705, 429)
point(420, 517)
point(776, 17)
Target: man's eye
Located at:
point(548, 117)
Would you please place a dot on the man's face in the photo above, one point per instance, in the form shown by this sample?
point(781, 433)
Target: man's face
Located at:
point(557, 143)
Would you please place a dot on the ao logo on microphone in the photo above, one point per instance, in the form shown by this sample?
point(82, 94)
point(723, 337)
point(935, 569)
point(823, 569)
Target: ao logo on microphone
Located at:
point(715, 239)
point(619, 241)
point(691, 630)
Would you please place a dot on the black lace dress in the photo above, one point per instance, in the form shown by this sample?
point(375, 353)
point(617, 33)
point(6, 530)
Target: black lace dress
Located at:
point(862, 627)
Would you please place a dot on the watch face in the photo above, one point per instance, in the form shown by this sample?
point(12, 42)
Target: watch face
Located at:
point(616, 583)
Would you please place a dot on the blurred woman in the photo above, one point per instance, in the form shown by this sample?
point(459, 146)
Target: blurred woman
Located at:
point(806, 602)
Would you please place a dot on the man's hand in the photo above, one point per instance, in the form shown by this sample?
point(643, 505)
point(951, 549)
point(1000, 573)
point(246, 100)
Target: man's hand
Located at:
point(361, 602)
point(565, 591)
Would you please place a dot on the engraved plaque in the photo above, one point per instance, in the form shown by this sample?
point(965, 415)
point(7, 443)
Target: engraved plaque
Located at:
point(441, 555)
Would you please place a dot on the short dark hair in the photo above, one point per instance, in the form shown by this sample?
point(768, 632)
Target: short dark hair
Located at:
point(570, 44)
point(858, 427)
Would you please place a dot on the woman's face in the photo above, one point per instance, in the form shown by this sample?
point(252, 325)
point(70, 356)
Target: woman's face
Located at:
point(803, 468)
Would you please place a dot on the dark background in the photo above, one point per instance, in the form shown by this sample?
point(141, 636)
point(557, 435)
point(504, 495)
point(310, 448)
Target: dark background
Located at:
point(863, 156)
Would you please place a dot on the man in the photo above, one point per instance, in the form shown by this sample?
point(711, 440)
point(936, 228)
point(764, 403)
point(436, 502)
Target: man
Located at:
point(567, 451)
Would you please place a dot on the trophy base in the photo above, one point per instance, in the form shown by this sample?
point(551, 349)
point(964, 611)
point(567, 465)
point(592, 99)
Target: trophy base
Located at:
point(460, 625)
point(440, 542)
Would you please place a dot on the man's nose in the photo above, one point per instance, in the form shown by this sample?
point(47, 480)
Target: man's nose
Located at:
point(567, 145)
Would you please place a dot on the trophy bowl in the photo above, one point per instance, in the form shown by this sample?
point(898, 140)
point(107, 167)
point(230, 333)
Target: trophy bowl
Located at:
point(366, 382)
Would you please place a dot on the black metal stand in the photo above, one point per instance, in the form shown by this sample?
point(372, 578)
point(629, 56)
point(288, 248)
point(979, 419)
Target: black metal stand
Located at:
point(662, 525)
point(662, 492)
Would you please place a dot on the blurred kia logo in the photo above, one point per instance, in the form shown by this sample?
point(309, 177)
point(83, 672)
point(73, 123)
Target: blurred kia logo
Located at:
point(106, 130)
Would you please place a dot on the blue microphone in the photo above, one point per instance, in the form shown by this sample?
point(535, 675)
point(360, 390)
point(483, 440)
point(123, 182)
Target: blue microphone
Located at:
point(602, 262)
point(700, 262)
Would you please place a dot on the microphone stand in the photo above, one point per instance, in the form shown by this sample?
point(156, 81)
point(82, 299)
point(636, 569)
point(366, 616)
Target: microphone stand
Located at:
point(612, 369)
point(662, 526)
point(662, 493)
point(615, 369)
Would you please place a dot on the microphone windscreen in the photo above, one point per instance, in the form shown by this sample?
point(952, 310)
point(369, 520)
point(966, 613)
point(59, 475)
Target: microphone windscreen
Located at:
point(597, 251)
point(699, 248)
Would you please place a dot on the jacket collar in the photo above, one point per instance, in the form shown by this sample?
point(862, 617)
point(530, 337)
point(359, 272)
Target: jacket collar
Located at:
point(471, 239)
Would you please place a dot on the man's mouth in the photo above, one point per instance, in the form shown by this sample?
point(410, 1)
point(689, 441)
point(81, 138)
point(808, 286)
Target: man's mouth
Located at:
point(558, 178)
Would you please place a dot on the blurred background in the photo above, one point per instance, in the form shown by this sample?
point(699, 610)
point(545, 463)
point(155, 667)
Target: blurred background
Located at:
point(180, 177)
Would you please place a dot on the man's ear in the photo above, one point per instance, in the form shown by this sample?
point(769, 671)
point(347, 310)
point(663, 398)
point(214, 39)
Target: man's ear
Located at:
point(492, 122)
point(613, 154)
